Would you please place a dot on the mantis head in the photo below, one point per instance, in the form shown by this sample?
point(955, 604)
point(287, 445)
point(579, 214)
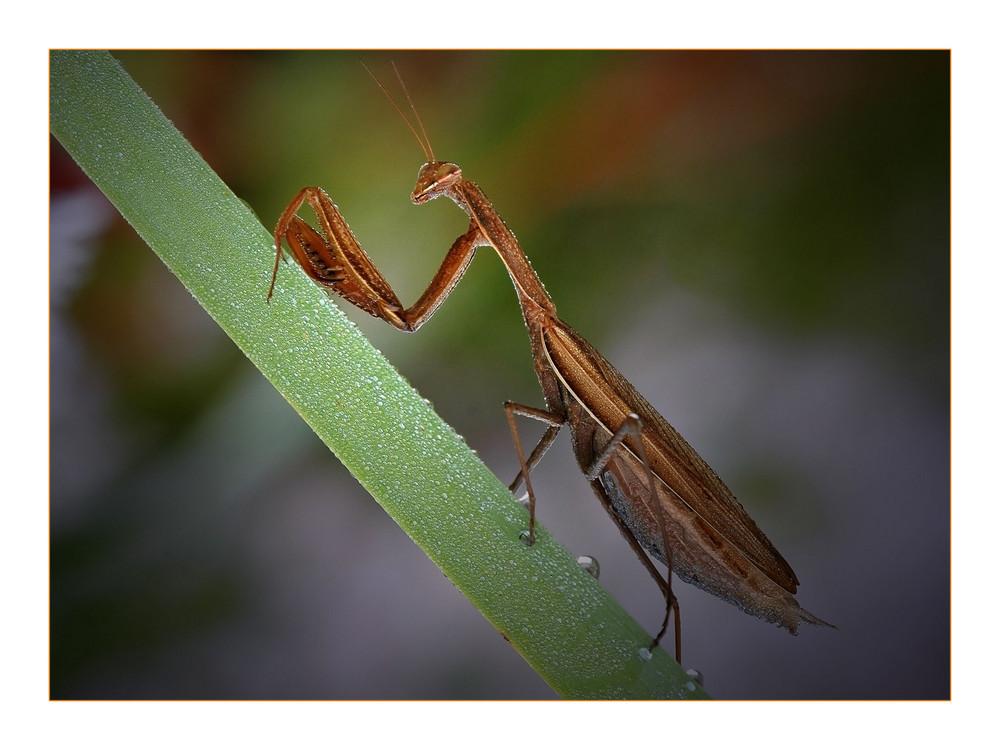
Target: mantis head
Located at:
point(434, 179)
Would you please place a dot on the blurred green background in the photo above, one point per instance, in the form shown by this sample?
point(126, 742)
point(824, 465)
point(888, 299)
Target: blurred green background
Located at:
point(760, 241)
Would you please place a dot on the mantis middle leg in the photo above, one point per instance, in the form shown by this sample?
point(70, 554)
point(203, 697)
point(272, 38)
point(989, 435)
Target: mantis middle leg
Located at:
point(555, 422)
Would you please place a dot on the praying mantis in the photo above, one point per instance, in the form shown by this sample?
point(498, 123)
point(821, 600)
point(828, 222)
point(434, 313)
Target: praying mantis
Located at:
point(664, 498)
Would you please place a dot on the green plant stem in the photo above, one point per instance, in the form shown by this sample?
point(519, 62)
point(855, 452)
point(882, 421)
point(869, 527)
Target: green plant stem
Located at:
point(561, 621)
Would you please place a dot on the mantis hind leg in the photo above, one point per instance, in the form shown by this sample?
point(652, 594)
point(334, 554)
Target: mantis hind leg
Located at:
point(632, 426)
point(672, 605)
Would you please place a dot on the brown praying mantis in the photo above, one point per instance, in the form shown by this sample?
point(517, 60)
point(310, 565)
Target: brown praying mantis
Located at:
point(664, 498)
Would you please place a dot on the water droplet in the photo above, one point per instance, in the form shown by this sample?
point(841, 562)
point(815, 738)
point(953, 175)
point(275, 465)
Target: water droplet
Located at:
point(590, 565)
point(690, 686)
point(695, 675)
point(645, 654)
point(524, 500)
point(525, 537)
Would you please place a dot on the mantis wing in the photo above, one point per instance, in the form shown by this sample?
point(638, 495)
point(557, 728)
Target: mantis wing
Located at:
point(608, 397)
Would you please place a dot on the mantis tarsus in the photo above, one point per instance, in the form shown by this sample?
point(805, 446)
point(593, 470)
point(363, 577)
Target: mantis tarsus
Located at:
point(664, 498)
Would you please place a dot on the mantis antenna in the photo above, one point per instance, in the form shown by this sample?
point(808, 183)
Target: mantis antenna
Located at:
point(425, 146)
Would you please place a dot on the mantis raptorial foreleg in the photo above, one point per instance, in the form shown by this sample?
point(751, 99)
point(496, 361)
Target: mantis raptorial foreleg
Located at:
point(336, 261)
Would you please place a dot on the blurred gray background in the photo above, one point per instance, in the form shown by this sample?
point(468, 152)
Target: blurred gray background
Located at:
point(759, 241)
